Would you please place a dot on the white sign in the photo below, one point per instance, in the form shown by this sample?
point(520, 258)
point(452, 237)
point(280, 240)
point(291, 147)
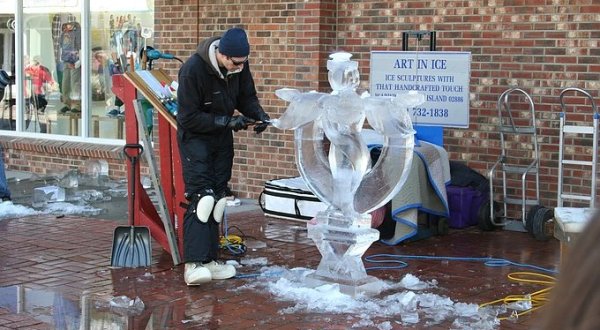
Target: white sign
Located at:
point(442, 76)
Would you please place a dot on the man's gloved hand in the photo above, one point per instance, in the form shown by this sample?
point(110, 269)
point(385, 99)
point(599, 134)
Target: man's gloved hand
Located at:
point(266, 120)
point(240, 122)
point(236, 123)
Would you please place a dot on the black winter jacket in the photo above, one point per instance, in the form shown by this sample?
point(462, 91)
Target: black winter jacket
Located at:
point(204, 92)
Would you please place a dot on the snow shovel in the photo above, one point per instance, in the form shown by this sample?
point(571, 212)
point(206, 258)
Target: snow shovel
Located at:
point(131, 244)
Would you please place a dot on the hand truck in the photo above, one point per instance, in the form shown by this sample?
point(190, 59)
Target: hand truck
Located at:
point(515, 125)
point(543, 216)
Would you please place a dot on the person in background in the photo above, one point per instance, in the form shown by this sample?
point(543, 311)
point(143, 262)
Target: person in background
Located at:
point(575, 299)
point(213, 83)
point(102, 70)
point(41, 82)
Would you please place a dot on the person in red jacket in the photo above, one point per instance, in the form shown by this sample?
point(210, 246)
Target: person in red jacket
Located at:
point(41, 81)
point(214, 83)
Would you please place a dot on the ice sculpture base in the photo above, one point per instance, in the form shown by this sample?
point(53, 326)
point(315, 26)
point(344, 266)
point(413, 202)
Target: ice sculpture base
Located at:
point(342, 242)
point(367, 286)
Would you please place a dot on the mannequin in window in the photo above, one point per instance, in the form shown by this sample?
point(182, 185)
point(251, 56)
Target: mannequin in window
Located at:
point(57, 22)
point(41, 82)
point(70, 45)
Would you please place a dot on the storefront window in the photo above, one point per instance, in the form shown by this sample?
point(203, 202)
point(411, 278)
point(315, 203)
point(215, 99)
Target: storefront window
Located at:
point(51, 71)
point(68, 64)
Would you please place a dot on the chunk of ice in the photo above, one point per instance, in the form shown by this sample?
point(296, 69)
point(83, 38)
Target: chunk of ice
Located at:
point(46, 194)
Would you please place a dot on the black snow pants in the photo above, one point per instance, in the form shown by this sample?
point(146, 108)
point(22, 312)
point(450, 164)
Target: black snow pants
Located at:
point(206, 162)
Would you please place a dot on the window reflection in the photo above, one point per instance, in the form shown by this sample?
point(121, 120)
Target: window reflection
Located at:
point(116, 36)
point(52, 64)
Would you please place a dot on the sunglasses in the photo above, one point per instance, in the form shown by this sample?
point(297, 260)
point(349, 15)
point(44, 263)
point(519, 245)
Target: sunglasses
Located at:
point(238, 63)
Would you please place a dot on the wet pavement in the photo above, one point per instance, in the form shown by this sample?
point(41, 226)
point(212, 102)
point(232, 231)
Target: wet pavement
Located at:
point(55, 274)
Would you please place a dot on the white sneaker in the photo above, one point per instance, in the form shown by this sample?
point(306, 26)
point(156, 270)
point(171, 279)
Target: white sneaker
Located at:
point(195, 274)
point(220, 271)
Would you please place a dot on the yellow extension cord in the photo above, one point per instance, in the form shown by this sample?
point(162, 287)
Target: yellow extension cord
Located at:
point(232, 241)
point(537, 299)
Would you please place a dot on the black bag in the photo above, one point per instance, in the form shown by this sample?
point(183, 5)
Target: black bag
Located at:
point(463, 176)
point(40, 101)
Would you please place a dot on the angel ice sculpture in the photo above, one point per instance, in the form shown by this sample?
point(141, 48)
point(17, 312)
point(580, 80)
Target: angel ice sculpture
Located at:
point(342, 175)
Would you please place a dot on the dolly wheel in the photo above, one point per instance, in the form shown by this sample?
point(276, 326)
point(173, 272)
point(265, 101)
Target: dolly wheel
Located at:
point(541, 224)
point(529, 218)
point(483, 216)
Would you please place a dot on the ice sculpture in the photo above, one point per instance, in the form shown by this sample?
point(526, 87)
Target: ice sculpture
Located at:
point(335, 163)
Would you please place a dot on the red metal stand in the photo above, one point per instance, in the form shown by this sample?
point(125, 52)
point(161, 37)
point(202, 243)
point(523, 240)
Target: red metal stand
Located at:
point(145, 213)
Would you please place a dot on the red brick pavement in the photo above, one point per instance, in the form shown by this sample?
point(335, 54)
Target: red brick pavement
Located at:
point(61, 267)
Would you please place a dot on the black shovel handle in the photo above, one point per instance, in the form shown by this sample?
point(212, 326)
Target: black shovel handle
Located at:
point(132, 157)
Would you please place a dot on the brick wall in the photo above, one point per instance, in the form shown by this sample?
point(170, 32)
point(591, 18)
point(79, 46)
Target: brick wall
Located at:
point(55, 158)
point(541, 46)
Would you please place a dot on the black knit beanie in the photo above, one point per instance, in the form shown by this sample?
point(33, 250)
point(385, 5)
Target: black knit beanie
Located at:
point(234, 43)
